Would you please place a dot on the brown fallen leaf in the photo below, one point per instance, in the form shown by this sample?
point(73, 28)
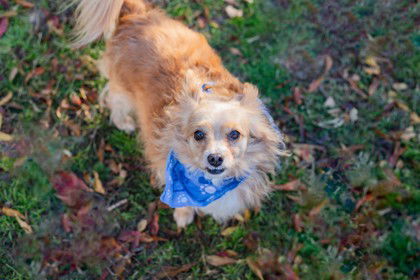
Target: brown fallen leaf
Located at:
point(247, 215)
point(228, 231)
point(363, 200)
point(314, 85)
point(6, 99)
point(317, 209)
point(24, 3)
point(11, 212)
point(373, 86)
point(35, 72)
point(253, 265)
point(297, 223)
point(172, 271)
point(24, 225)
point(219, 261)
point(233, 12)
point(154, 225)
point(294, 185)
point(141, 226)
point(4, 137)
point(97, 185)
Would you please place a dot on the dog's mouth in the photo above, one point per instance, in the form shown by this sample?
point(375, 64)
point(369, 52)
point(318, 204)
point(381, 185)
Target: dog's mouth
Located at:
point(215, 171)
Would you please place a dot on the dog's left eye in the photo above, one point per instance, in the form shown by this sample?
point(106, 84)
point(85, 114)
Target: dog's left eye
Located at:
point(234, 135)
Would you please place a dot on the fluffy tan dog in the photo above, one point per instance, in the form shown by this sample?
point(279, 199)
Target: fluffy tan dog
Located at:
point(165, 78)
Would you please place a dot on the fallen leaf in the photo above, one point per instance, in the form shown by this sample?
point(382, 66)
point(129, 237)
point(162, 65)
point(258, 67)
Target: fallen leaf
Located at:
point(314, 85)
point(172, 271)
point(251, 241)
point(297, 95)
point(329, 103)
point(97, 185)
point(6, 99)
point(353, 114)
point(373, 86)
point(24, 225)
point(373, 68)
point(239, 218)
point(363, 200)
point(4, 22)
point(154, 225)
point(24, 3)
point(233, 12)
point(317, 209)
point(334, 123)
point(141, 226)
point(35, 72)
point(408, 134)
point(400, 86)
point(294, 185)
point(219, 261)
point(235, 51)
point(228, 231)
point(4, 137)
point(247, 215)
point(253, 265)
point(297, 222)
point(11, 212)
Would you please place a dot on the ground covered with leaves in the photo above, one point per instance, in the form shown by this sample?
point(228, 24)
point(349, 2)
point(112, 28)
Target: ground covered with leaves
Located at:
point(341, 80)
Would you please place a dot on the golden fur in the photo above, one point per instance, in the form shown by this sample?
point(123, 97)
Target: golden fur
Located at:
point(156, 67)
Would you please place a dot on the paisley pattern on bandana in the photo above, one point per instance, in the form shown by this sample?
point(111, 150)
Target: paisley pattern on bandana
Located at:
point(191, 188)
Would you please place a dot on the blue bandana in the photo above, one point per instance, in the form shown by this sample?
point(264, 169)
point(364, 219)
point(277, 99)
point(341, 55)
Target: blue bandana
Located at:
point(191, 188)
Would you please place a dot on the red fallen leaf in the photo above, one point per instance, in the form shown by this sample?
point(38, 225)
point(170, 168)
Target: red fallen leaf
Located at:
point(227, 253)
point(70, 189)
point(154, 225)
point(35, 72)
point(294, 185)
point(172, 271)
point(251, 241)
point(4, 22)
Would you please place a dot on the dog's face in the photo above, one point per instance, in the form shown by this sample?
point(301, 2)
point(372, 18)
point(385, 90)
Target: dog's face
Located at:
point(224, 136)
point(217, 136)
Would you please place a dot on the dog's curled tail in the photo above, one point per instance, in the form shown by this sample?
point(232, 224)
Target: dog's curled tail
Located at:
point(97, 18)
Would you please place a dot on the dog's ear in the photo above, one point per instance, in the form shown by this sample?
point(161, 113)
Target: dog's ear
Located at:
point(192, 85)
point(248, 94)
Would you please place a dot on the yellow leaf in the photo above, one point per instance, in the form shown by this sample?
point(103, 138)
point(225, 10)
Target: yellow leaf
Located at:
point(97, 186)
point(414, 118)
point(255, 268)
point(11, 212)
point(24, 225)
point(247, 215)
point(141, 226)
point(5, 137)
point(6, 99)
point(219, 261)
point(228, 231)
point(239, 218)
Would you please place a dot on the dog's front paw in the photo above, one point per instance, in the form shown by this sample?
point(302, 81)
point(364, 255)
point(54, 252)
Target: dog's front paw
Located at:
point(183, 216)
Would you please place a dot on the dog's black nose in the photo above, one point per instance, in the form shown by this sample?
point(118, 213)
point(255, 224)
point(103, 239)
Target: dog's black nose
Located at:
point(215, 159)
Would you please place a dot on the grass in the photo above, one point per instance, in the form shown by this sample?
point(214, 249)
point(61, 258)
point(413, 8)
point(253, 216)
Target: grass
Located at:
point(322, 233)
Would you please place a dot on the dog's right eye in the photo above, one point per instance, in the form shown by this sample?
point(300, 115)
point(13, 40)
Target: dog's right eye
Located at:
point(199, 135)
